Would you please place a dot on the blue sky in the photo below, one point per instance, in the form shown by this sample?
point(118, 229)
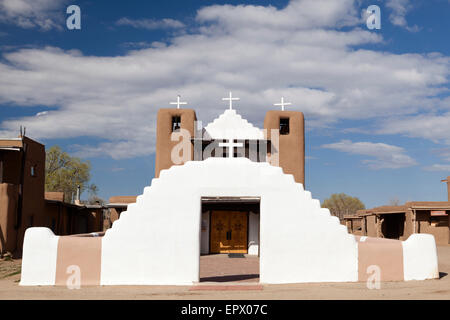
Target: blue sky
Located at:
point(376, 102)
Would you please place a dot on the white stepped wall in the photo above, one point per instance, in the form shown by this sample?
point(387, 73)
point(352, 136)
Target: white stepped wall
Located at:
point(157, 240)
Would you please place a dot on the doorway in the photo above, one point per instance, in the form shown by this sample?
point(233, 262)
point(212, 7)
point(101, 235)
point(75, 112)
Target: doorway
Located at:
point(229, 239)
point(393, 225)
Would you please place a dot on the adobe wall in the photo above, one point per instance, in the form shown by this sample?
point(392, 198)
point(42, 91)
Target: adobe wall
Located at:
point(164, 144)
point(292, 145)
point(409, 225)
point(8, 207)
point(12, 162)
point(371, 226)
point(33, 210)
point(159, 239)
point(441, 233)
point(95, 219)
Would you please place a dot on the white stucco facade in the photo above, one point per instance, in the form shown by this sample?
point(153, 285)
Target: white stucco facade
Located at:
point(158, 240)
point(159, 237)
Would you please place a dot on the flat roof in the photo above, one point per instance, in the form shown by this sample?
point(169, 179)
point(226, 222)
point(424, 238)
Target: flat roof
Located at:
point(413, 205)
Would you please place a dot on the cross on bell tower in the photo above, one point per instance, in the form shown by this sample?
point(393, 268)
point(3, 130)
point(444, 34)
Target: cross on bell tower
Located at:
point(282, 104)
point(178, 103)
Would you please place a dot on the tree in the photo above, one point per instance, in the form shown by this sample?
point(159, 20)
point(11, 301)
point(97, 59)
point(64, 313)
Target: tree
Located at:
point(64, 173)
point(394, 202)
point(342, 204)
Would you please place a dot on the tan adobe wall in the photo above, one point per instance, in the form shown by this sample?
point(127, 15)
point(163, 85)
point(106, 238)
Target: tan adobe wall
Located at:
point(409, 225)
point(164, 145)
point(291, 146)
point(57, 196)
point(9, 195)
point(371, 226)
point(123, 199)
point(440, 232)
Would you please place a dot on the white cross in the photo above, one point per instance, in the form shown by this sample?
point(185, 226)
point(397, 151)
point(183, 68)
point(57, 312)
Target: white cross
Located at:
point(282, 104)
point(230, 145)
point(178, 102)
point(231, 99)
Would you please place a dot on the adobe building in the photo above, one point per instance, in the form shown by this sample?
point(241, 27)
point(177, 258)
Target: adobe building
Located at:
point(230, 225)
point(24, 202)
point(228, 187)
point(399, 222)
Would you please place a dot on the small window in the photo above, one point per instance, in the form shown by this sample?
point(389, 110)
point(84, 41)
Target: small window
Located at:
point(33, 171)
point(284, 125)
point(176, 123)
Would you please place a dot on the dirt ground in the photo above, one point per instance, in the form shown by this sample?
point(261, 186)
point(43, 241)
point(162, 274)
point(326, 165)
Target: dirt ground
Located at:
point(229, 271)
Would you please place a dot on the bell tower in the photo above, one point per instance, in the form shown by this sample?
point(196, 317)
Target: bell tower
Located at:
point(291, 143)
point(170, 122)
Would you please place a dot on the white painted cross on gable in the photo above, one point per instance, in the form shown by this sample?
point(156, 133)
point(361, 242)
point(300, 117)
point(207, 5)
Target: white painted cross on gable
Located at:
point(230, 145)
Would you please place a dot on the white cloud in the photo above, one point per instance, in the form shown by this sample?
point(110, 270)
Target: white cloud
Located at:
point(438, 167)
point(150, 24)
point(259, 53)
point(443, 153)
point(386, 156)
point(42, 14)
point(399, 9)
point(431, 126)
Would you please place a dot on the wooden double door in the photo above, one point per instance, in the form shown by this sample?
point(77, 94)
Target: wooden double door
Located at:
point(229, 232)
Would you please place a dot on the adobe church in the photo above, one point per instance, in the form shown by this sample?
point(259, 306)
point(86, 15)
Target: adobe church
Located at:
point(228, 187)
point(231, 224)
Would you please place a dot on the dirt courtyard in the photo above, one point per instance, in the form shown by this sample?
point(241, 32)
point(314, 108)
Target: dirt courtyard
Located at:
point(221, 271)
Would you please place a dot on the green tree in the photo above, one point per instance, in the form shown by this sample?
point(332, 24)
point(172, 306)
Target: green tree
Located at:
point(341, 205)
point(64, 173)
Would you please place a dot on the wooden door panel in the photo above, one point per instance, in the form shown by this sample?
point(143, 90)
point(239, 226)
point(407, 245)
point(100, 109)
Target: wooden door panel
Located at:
point(238, 224)
point(219, 227)
point(228, 232)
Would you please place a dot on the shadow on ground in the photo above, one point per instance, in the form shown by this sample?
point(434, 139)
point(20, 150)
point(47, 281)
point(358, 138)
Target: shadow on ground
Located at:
point(235, 277)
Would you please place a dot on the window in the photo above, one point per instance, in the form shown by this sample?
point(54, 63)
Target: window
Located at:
point(284, 125)
point(33, 171)
point(176, 123)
